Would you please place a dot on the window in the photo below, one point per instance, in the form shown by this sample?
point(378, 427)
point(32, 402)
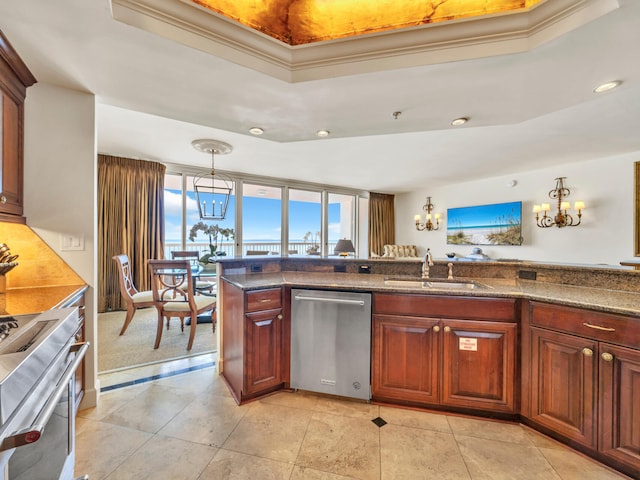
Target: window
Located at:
point(173, 219)
point(305, 222)
point(275, 219)
point(261, 219)
point(341, 219)
point(181, 214)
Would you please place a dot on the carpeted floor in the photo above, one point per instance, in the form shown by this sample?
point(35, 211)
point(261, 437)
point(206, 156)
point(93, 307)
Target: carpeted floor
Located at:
point(135, 347)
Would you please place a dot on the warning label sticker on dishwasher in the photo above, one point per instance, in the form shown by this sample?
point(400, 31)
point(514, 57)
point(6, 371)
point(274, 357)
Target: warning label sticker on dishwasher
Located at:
point(468, 344)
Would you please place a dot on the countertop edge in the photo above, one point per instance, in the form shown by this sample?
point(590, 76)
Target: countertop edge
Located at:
point(601, 300)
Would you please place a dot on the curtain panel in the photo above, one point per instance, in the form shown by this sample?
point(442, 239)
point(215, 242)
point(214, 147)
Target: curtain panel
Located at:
point(130, 221)
point(381, 221)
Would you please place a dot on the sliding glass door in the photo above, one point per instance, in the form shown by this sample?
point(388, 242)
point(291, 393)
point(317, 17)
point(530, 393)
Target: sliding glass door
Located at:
point(261, 219)
point(305, 222)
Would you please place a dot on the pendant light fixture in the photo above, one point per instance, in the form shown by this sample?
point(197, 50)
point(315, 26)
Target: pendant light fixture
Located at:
point(212, 189)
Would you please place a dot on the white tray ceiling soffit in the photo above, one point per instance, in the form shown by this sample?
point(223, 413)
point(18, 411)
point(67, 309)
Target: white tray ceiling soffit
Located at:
point(506, 33)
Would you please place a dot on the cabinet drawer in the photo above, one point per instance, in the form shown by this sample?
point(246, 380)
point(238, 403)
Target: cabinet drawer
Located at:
point(497, 309)
point(263, 299)
point(586, 323)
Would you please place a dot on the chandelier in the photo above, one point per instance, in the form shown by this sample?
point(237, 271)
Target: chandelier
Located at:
point(428, 224)
point(562, 218)
point(212, 190)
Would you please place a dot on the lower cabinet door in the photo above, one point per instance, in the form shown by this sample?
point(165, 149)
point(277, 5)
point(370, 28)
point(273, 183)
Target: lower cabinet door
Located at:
point(620, 406)
point(479, 364)
point(263, 350)
point(564, 384)
point(405, 359)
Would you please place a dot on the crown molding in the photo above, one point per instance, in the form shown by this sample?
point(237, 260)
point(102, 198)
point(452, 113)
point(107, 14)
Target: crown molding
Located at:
point(193, 25)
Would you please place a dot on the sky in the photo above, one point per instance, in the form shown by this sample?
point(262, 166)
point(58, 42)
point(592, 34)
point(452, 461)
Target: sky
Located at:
point(261, 218)
point(484, 215)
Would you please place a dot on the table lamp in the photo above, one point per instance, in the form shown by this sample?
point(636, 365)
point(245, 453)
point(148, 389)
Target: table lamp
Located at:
point(344, 247)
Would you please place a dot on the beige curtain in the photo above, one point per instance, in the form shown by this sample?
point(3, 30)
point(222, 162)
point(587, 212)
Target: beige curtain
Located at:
point(381, 221)
point(130, 221)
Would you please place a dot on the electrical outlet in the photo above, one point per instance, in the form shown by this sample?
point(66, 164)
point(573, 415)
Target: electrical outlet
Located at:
point(527, 274)
point(364, 269)
point(70, 242)
point(256, 268)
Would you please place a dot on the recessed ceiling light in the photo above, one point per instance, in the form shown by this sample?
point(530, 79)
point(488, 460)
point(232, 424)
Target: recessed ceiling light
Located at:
point(607, 86)
point(256, 131)
point(459, 121)
point(322, 133)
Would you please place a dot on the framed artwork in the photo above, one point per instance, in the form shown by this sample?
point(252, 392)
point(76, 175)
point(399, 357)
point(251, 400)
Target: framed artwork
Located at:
point(637, 209)
point(496, 224)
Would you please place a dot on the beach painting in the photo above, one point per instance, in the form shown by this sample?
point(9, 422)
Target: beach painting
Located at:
point(497, 224)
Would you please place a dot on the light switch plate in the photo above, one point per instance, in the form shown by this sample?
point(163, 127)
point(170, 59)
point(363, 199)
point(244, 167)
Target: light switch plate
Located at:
point(71, 242)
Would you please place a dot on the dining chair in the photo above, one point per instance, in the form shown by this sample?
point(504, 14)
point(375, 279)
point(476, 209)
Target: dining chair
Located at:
point(173, 296)
point(132, 297)
point(193, 257)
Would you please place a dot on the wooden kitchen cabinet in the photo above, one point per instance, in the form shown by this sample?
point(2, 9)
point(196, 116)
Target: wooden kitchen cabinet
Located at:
point(405, 359)
point(563, 384)
point(263, 332)
point(254, 349)
point(421, 358)
point(15, 77)
point(585, 377)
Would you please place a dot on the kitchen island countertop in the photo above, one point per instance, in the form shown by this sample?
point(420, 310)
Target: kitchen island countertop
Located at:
point(600, 299)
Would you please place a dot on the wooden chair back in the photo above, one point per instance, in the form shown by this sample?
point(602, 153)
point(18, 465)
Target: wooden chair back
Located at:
point(132, 297)
point(173, 295)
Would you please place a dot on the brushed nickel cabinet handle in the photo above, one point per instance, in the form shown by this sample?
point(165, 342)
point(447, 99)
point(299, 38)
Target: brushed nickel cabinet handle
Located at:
point(598, 327)
point(436, 328)
point(447, 329)
point(587, 352)
point(607, 357)
point(265, 300)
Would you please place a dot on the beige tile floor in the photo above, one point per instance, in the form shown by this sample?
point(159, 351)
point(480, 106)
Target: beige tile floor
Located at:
point(187, 427)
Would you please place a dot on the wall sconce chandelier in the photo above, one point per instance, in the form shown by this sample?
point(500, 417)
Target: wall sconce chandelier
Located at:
point(562, 218)
point(212, 189)
point(428, 224)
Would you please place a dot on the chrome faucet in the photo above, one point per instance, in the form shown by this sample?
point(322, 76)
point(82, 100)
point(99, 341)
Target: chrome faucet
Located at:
point(428, 261)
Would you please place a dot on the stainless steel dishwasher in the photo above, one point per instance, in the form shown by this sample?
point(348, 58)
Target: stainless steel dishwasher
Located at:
point(331, 342)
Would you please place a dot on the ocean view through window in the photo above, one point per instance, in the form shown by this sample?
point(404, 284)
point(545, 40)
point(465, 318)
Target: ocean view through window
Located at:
point(274, 220)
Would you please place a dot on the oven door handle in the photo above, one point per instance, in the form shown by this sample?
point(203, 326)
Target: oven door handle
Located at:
point(34, 432)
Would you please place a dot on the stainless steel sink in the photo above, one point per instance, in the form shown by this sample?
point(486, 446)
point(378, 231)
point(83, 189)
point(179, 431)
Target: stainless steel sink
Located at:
point(434, 283)
point(452, 285)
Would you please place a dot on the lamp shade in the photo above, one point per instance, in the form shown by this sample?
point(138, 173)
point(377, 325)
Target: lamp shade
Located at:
point(344, 246)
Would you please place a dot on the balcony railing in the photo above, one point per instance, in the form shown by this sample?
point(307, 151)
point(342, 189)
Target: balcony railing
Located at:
point(295, 248)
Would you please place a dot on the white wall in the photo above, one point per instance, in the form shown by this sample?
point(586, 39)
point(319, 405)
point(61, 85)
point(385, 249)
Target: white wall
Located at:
point(604, 237)
point(60, 178)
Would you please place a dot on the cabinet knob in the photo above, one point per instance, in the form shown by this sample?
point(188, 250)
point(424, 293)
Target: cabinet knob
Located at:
point(587, 352)
point(3, 199)
point(279, 317)
point(607, 357)
point(436, 328)
point(447, 329)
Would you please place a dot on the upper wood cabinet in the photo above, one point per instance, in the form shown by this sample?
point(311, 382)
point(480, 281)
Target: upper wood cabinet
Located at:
point(15, 77)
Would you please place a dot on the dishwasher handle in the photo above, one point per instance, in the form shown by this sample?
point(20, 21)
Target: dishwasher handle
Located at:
point(344, 301)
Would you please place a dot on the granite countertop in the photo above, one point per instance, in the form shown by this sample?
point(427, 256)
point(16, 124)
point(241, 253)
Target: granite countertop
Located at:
point(20, 301)
point(605, 300)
